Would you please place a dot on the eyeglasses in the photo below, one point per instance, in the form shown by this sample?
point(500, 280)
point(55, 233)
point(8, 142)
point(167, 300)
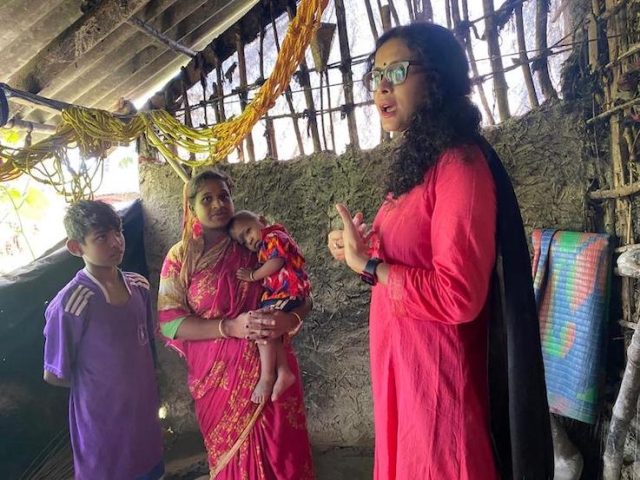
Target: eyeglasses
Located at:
point(395, 73)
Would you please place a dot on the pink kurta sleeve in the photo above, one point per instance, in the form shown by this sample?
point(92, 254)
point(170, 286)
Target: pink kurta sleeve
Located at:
point(463, 224)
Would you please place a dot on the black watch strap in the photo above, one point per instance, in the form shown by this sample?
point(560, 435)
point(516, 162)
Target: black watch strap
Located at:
point(368, 275)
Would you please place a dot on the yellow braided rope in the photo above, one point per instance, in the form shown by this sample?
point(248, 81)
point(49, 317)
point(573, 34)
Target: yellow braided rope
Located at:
point(94, 131)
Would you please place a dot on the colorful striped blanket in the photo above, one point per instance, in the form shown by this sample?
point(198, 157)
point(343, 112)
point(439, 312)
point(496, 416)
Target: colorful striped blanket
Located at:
point(572, 273)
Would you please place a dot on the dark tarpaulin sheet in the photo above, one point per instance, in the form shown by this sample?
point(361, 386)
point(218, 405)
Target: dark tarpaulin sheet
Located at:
point(32, 412)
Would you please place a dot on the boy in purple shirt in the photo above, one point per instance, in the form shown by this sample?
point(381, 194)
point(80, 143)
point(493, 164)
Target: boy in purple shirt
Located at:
point(99, 339)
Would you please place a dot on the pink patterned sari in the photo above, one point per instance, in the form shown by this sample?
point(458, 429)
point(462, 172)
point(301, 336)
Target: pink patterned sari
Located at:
point(243, 440)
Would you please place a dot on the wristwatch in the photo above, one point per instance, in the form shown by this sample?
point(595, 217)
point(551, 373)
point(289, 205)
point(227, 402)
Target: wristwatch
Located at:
point(368, 275)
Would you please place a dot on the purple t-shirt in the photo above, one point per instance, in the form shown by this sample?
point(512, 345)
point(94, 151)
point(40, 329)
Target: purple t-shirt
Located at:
point(104, 351)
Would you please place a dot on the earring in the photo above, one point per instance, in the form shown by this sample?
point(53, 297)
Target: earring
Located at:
point(196, 229)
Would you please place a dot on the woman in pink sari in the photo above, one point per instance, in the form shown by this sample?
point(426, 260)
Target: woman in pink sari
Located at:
point(208, 316)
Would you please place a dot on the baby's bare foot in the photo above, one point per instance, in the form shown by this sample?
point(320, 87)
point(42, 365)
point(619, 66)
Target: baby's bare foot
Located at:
point(286, 378)
point(263, 390)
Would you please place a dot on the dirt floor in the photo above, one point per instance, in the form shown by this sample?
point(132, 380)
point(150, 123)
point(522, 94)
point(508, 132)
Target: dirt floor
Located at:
point(186, 460)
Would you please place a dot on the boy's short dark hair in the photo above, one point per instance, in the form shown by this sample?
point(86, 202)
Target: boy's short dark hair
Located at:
point(85, 215)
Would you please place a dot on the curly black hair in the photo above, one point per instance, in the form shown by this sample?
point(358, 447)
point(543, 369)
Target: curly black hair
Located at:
point(86, 215)
point(446, 118)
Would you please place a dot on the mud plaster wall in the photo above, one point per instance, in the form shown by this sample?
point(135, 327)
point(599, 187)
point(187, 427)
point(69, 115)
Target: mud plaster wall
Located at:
point(546, 155)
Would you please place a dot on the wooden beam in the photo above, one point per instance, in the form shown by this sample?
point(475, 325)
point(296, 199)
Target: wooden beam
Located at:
point(385, 16)
point(242, 71)
point(499, 81)
point(524, 59)
point(17, 16)
point(617, 192)
point(74, 42)
point(372, 21)
point(30, 126)
point(394, 13)
point(288, 95)
point(31, 99)
point(161, 37)
point(427, 11)
point(150, 66)
point(24, 32)
point(474, 66)
point(88, 72)
point(542, 65)
point(101, 58)
point(305, 83)
point(148, 76)
point(347, 75)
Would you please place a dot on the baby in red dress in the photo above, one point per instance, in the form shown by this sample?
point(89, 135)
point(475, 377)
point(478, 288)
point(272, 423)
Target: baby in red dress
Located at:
point(285, 283)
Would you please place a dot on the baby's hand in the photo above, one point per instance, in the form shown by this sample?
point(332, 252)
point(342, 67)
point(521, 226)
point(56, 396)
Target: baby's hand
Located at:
point(245, 274)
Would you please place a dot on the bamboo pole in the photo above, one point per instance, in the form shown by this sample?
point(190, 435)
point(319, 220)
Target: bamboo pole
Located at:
point(305, 82)
point(499, 80)
point(455, 20)
point(524, 59)
point(326, 110)
point(541, 66)
point(427, 10)
point(321, 113)
point(288, 95)
point(333, 134)
point(34, 127)
point(474, 66)
point(394, 12)
point(385, 14)
point(220, 89)
point(447, 9)
point(635, 48)
point(614, 193)
point(347, 75)
point(269, 132)
point(161, 37)
point(372, 22)
point(623, 411)
point(242, 92)
point(412, 15)
point(214, 102)
point(626, 402)
point(592, 35)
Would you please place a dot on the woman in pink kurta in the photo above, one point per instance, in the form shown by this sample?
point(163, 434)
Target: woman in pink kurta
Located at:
point(428, 324)
point(206, 313)
point(430, 256)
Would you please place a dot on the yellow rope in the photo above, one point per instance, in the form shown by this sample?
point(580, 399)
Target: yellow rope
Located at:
point(94, 131)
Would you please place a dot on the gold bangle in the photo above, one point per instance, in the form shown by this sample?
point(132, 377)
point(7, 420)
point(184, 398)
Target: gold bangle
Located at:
point(251, 276)
point(222, 334)
point(298, 327)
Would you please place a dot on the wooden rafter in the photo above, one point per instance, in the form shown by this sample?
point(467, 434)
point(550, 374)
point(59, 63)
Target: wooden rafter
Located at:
point(74, 42)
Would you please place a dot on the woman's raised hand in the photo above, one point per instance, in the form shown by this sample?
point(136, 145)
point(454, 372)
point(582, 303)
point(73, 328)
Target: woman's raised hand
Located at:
point(352, 246)
point(336, 237)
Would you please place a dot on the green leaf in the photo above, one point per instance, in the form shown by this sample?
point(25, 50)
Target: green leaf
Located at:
point(12, 137)
point(125, 162)
point(7, 194)
point(35, 204)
